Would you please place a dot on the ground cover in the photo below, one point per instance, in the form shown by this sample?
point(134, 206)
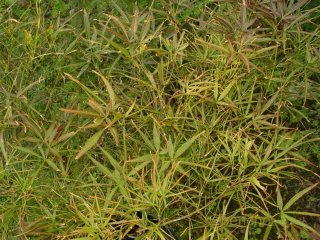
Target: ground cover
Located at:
point(203, 115)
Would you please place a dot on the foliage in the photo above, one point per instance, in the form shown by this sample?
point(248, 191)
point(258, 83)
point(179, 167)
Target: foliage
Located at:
point(203, 114)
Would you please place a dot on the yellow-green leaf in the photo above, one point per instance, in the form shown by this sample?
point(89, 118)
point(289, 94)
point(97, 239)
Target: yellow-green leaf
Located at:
point(91, 142)
point(301, 224)
point(256, 182)
point(170, 147)
point(52, 164)
point(184, 147)
point(156, 136)
point(226, 91)
point(79, 112)
point(297, 196)
point(108, 87)
point(144, 137)
point(113, 162)
point(279, 199)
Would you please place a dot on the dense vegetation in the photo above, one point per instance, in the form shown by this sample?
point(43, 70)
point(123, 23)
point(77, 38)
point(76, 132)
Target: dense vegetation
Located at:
point(203, 114)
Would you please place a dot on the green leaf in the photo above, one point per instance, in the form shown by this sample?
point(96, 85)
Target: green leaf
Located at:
point(156, 137)
point(52, 164)
point(144, 137)
point(86, 23)
point(270, 102)
point(122, 13)
point(246, 235)
point(226, 91)
point(150, 77)
point(301, 224)
point(297, 196)
point(103, 169)
point(170, 148)
point(256, 182)
point(279, 199)
point(304, 213)
point(113, 162)
point(109, 89)
point(184, 147)
point(89, 91)
point(267, 232)
point(28, 151)
point(138, 167)
point(90, 143)
point(213, 46)
point(120, 48)
point(2, 148)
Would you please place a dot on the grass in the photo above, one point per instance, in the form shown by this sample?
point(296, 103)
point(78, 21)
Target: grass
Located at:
point(134, 120)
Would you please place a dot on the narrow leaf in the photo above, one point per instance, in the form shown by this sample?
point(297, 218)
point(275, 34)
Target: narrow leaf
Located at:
point(85, 88)
point(144, 137)
point(304, 213)
point(96, 106)
point(184, 147)
point(267, 232)
point(301, 224)
point(245, 60)
point(120, 48)
point(52, 164)
point(90, 143)
point(2, 148)
point(170, 148)
point(279, 199)
point(108, 87)
point(246, 235)
point(103, 169)
point(256, 182)
point(28, 151)
point(226, 91)
point(113, 162)
point(118, 23)
point(86, 22)
point(122, 13)
point(156, 137)
point(79, 112)
point(297, 196)
point(214, 46)
point(270, 102)
point(65, 137)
